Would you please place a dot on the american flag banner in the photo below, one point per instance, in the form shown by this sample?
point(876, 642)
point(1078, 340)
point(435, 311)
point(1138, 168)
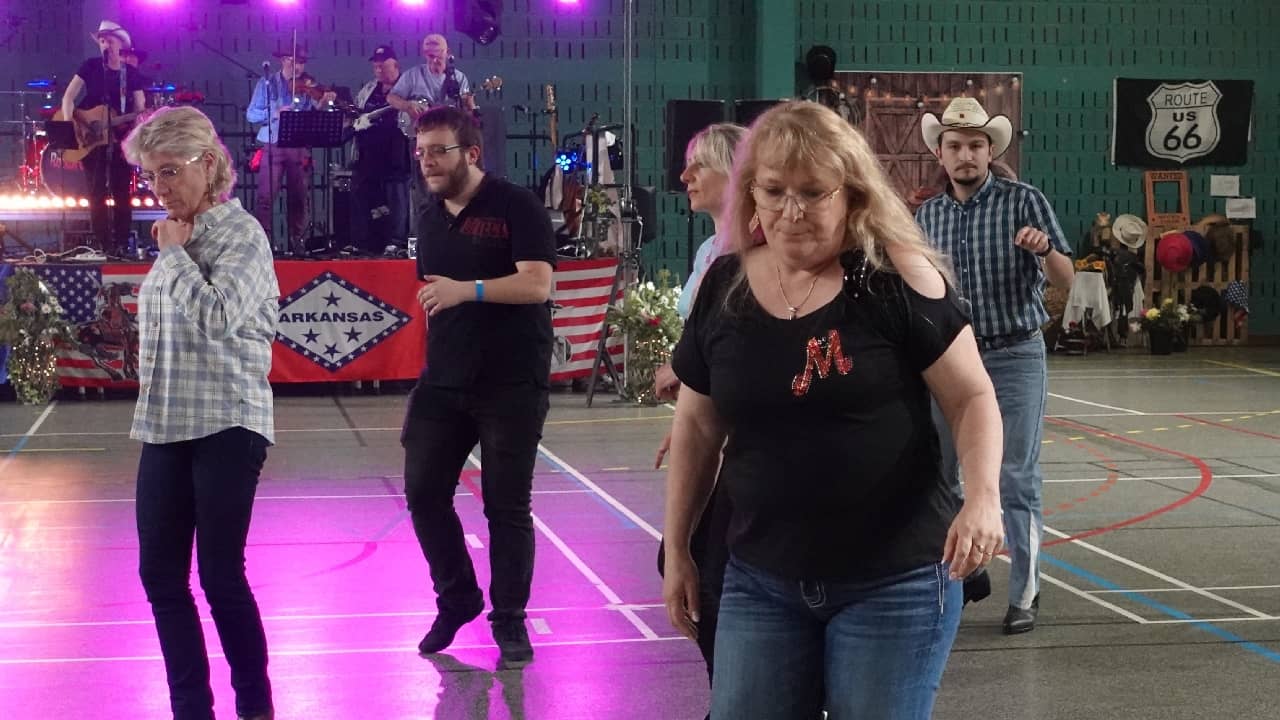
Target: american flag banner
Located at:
point(101, 301)
point(579, 300)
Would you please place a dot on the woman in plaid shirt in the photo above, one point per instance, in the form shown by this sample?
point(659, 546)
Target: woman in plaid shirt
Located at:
point(206, 319)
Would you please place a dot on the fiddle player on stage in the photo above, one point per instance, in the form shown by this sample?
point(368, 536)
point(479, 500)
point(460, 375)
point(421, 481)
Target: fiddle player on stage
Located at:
point(382, 163)
point(106, 83)
point(273, 94)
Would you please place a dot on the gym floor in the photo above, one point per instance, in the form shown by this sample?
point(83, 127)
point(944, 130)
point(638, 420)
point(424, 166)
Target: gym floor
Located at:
point(1162, 498)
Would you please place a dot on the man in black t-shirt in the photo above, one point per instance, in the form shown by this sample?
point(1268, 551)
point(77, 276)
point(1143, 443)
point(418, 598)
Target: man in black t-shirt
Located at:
point(104, 97)
point(486, 253)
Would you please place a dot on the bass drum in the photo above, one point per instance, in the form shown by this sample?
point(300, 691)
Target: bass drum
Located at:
point(63, 178)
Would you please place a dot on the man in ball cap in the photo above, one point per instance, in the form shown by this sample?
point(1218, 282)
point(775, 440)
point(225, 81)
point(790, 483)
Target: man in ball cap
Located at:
point(1005, 240)
point(382, 163)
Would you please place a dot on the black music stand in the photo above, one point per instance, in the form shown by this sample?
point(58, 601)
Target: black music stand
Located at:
point(313, 129)
point(310, 129)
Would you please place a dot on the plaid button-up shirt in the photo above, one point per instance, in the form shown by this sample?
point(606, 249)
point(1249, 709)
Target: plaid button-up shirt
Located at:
point(207, 316)
point(1003, 283)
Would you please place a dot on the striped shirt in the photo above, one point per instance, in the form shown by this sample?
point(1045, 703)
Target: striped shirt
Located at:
point(207, 316)
point(1003, 283)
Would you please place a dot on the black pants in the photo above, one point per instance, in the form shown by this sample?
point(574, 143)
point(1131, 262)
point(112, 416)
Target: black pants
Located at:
point(110, 225)
point(203, 490)
point(441, 427)
point(710, 551)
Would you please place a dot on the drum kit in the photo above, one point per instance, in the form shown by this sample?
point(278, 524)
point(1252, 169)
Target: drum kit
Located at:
point(44, 172)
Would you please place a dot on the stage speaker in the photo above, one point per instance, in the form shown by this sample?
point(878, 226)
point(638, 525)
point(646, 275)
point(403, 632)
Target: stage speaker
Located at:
point(480, 20)
point(493, 134)
point(684, 119)
point(645, 199)
point(745, 112)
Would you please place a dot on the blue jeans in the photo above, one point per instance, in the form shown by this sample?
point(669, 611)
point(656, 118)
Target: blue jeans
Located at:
point(1018, 373)
point(202, 491)
point(788, 649)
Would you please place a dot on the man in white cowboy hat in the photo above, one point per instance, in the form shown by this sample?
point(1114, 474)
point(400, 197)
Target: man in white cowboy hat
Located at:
point(105, 82)
point(1003, 239)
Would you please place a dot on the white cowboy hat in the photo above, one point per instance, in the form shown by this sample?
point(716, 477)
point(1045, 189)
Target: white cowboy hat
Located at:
point(106, 27)
point(965, 113)
point(1130, 231)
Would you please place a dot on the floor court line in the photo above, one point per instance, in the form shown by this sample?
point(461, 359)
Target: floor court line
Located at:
point(1259, 371)
point(277, 651)
point(584, 569)
point(1094, 404)
point(1134, 564)
point(611, 500)
point(26, 437)
point(1175, 589)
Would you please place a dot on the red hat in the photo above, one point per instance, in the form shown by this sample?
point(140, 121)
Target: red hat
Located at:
point(1174, 252)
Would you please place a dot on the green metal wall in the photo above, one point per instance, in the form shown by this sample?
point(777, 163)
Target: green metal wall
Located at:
point(1069, 52)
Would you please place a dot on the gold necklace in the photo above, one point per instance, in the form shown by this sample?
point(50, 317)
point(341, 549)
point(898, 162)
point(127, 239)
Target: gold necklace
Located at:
point(793, 309)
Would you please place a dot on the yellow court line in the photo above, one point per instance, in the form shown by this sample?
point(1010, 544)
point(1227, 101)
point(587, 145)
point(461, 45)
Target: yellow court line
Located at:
point(1237, 366)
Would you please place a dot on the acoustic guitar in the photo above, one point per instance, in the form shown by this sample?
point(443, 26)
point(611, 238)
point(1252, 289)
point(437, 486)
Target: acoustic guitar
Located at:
point(91, 128)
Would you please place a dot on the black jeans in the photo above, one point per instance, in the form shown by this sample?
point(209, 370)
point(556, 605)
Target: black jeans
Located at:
point(440, 429)
point(110, 225)
point(203, 490)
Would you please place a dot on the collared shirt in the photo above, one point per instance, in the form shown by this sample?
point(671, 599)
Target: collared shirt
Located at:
point(1003, 283)
point(418, 83)
point(207, 315)
point(274, 92)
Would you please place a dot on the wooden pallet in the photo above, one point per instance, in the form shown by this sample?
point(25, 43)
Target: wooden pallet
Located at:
point(1160, 284)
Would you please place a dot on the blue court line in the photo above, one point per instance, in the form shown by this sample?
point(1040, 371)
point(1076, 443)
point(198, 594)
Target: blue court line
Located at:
point(1141, 599)
point(626, 521)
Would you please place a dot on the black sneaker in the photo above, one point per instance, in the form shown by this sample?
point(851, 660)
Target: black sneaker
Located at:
point(443, 630)
point(513, 644)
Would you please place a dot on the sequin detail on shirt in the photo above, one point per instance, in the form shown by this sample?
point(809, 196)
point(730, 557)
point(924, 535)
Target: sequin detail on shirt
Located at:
point(821, 354)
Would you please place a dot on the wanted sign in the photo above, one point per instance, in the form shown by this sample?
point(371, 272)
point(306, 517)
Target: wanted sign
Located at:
point(1175, 123)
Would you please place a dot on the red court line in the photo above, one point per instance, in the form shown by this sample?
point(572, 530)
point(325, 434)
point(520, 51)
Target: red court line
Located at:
point(1113, 475)
point(1232, 428)
point(1206, 479)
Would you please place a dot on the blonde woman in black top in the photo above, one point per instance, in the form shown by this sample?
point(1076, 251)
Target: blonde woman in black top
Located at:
point(814, 355)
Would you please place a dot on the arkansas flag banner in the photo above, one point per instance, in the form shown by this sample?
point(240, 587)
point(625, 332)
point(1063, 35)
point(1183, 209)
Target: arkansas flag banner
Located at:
point(349, 320)
point(1178, 123)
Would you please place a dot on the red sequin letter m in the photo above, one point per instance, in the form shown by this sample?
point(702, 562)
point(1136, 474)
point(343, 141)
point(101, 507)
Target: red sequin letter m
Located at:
point(821, 354)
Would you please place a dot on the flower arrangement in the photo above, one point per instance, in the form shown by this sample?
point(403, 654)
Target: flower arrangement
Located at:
point(648, 318)
point(31, 322)
point(1169, 317)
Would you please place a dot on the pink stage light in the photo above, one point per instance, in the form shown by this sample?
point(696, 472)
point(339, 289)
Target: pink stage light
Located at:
point(568, 2)
point(413, 3)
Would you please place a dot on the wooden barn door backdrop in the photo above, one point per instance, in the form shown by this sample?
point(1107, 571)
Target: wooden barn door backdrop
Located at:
point(892, 103)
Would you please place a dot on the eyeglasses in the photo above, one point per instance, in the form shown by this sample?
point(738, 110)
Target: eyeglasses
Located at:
point(437, 151)
point(774, 199)
point(166, 173)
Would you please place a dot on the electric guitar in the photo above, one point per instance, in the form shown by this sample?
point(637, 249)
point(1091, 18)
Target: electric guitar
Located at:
point(91, 128)
point(366, 120)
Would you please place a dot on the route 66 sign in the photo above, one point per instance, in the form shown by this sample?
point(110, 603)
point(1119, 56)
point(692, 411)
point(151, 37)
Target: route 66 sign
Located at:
point(1184, 120)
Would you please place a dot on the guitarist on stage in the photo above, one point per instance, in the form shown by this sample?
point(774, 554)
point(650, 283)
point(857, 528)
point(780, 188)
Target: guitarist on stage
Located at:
point(381, 167)
point(103, 99)
point(433, 84)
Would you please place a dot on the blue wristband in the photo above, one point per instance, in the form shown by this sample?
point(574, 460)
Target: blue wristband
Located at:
point(479, 291)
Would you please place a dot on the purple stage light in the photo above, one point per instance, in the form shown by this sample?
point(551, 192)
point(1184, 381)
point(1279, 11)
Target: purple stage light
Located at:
point(413, 3)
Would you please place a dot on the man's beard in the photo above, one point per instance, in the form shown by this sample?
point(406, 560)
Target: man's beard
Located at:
point(455, 182)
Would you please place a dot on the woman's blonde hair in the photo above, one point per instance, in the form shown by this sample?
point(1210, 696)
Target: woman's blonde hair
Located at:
point(713, 146)
point(183, 132)
point(808, 137)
